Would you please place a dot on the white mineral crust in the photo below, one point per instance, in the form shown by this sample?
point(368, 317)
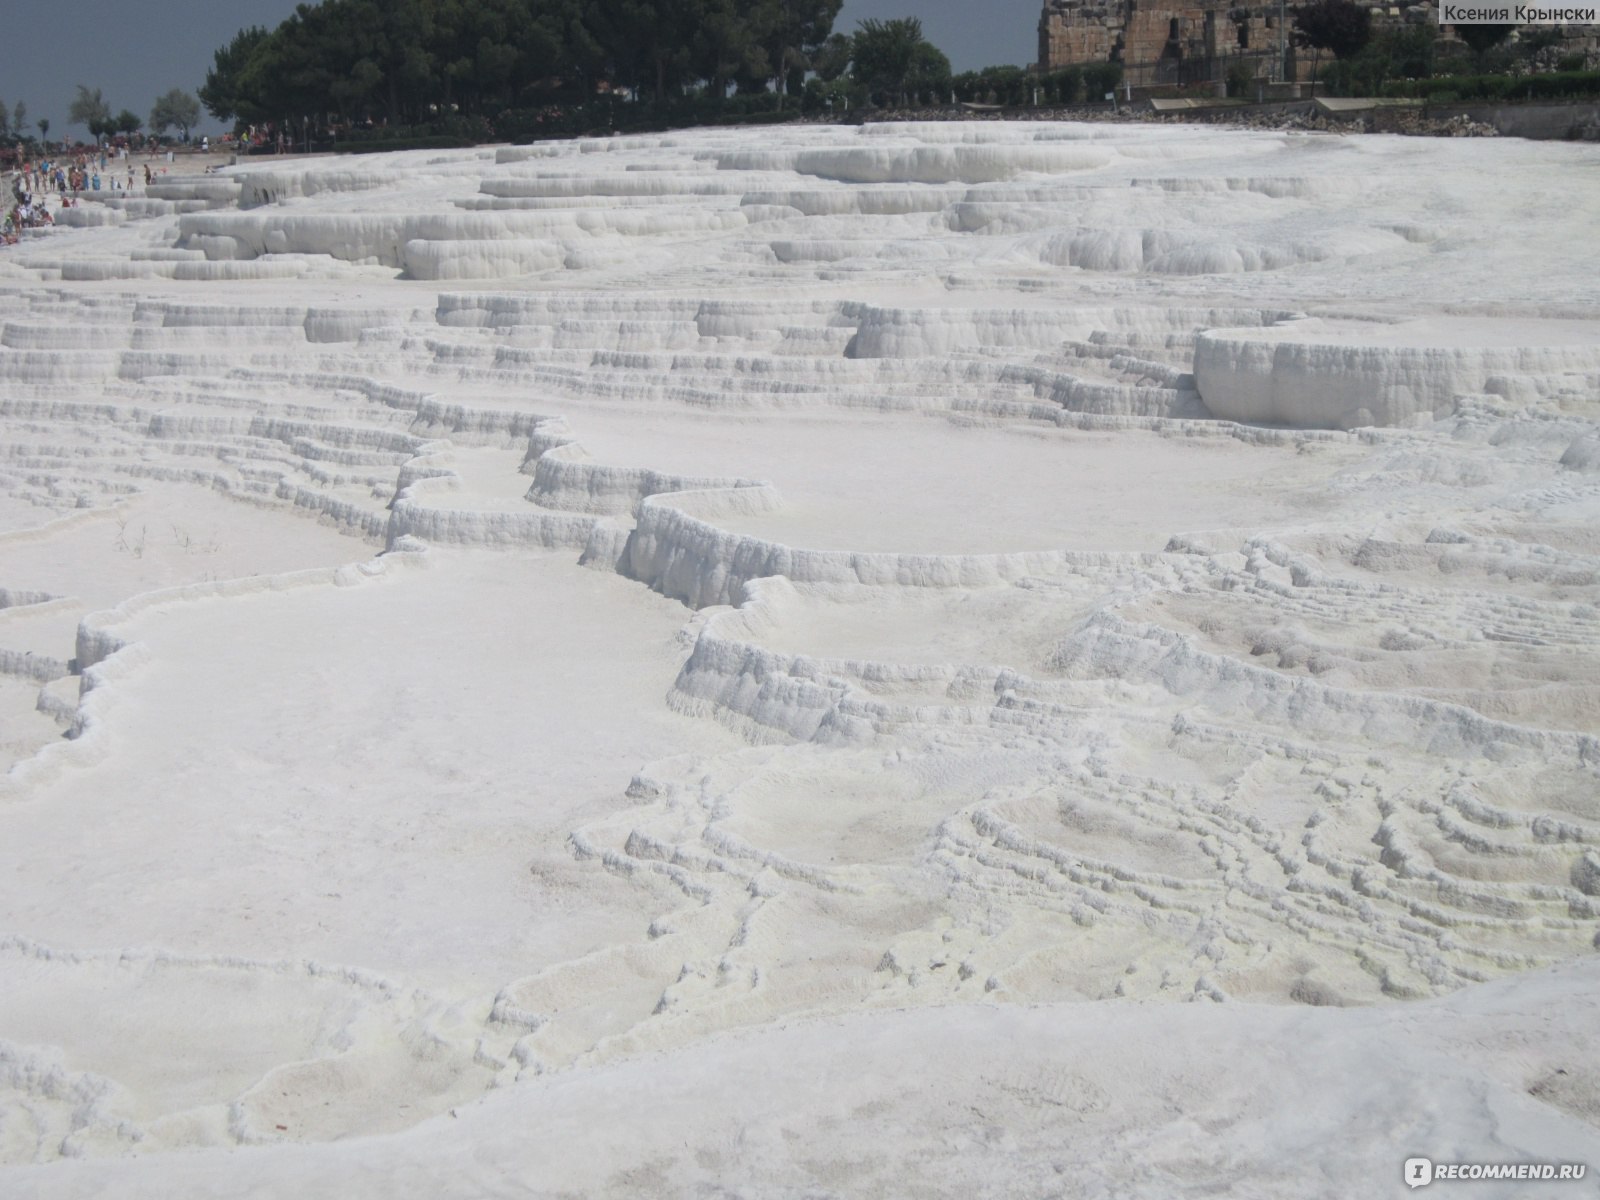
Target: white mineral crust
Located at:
point(916, 660)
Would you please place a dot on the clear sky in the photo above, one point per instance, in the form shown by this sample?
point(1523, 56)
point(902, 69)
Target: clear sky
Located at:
point(134, 53)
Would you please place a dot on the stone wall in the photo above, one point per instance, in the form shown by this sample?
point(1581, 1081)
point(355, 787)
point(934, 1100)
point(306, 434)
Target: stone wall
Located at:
point(1198, 41)
point(1157, 41)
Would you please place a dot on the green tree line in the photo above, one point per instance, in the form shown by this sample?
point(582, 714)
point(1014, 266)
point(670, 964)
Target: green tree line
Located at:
point(1482, 62)
point(411, 62)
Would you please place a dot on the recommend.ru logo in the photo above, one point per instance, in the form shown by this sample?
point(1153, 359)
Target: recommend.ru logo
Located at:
point(1419, 1172)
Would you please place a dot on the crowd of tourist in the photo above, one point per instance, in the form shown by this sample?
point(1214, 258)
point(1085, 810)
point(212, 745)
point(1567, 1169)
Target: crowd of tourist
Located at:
point(82, 171)
point(26, 213)
point(67, 177)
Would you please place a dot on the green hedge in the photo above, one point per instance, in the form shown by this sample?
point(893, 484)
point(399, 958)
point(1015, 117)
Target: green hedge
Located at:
point(1013, 87)
point(449, 133)
point(599, 117)
point(1445, 89)
point(441, 141)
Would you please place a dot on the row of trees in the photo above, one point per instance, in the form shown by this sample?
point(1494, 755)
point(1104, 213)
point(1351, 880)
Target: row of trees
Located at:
point(929, 80)
point(1371, 62)
point(14, 122)
point(175, 110)
point(1015, 86)
point(412, 61)
point(90, 109)
point(889, 60)
point(408, 64)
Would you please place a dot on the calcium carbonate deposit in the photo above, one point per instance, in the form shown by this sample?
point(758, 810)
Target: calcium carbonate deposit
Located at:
point(920, 660)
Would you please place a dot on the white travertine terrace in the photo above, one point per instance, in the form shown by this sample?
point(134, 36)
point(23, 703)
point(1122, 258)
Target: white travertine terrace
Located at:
point(1347, 375)
point(909, 660)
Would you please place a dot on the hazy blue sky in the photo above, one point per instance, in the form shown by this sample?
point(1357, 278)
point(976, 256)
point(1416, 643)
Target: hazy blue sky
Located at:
point(973, 33)
point(134, 53)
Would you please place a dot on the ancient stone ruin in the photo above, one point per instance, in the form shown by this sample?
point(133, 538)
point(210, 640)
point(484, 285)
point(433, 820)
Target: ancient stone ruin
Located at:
point(1195, 42)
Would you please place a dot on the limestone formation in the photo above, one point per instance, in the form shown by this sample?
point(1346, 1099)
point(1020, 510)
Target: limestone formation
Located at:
point(1006, 658)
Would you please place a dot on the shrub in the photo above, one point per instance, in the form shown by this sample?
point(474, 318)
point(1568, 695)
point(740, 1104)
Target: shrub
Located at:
point(384, 145)
point(837, 96)
point(1399, 53)
point(1064, 86)
point(1101, 78)
point(613, 115)
point(1560, 85)
point(995, 85)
